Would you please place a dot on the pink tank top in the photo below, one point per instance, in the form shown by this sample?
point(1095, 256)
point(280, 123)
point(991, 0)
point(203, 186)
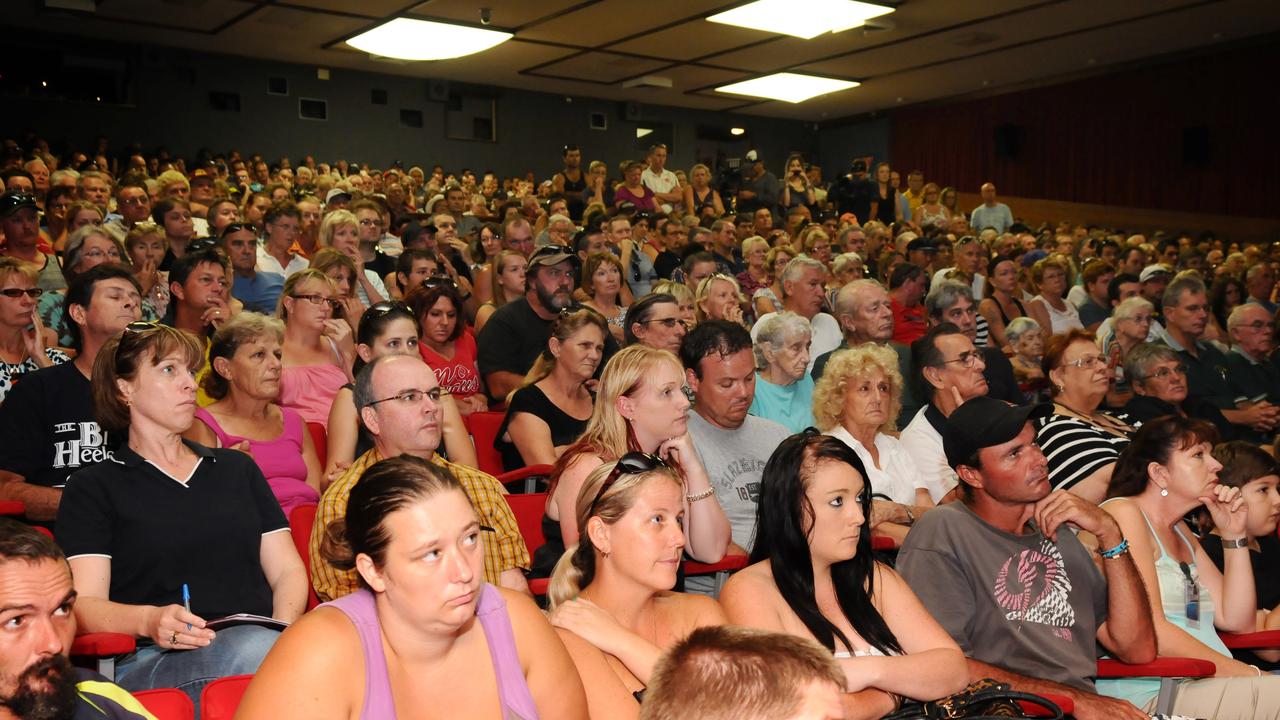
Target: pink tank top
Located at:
point(280, 459)
point(513, 691)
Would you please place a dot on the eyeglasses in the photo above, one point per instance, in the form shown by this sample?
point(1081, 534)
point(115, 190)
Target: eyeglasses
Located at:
point(371, 223)
point(1166, 372)
point(135, 201)
point(412, 397)
point(1255, 325)
point(317, 299)
point(33, 293)
point(967, 359)
point(1087, 362)
point(630, 464)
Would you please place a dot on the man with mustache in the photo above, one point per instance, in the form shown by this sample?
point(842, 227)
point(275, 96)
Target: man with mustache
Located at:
point(37, 603)
point(518, 332)
point(734, 446)
point(1003, 572)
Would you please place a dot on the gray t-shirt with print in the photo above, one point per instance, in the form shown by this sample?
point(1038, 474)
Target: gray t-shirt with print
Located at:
point(1020, 602)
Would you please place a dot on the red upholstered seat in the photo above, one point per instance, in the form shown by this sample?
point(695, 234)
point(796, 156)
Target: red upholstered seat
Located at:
point(301, 521)
point(167, 703)
point(220, 698)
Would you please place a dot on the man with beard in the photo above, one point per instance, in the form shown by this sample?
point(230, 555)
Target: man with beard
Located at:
point(37, 603)
point(518, 332)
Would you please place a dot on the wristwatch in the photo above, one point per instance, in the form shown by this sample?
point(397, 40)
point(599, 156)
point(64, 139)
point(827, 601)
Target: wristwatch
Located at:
point(1233, 544)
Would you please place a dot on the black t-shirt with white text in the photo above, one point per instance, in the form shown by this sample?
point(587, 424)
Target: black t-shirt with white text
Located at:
point(48, 428)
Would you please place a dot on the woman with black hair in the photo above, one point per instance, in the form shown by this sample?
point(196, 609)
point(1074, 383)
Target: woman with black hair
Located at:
point(813, 575)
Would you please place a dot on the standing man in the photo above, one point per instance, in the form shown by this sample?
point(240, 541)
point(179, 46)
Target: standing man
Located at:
point(47, 420)
point(854, 192)
point(570, 182)
point(991, 214)
point(734, 446)
point(662, 181)
point(914, 194)
point(760, 188)
point(1003, 572)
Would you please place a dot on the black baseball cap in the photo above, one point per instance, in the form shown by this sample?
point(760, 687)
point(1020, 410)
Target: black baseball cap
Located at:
point(985, 422)
point(924, 244)
point(12, 202)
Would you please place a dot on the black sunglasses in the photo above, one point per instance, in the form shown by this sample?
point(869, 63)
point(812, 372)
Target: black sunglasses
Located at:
point(387, 306)
point(632, 463)
point(137, 327)
point(33, 293)
point(201, 244)
point(236, 227)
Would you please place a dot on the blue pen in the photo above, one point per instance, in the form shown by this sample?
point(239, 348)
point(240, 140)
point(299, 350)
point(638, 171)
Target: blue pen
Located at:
point(186, 601)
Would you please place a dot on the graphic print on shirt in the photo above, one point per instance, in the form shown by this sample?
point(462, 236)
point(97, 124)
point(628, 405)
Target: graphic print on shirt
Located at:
point(1033, 586)
point(731, 480)
point(76, 444)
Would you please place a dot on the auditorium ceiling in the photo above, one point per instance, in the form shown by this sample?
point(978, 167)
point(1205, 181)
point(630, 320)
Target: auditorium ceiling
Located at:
point(666, 52)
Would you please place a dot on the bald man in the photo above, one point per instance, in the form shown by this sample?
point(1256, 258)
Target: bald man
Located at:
point(991, 214)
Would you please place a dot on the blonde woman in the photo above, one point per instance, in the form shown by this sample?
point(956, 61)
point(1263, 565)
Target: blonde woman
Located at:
point(610, 594)
point(602, 284)
point(718, 298)
point(318, 351)
point(684, 299)
point(699, 194)
point(25, 344)
point(1049, 309)
point(342, 271)
point(857, 400)
point(341, 231)
point(769, 299)
point(505, 285)
point(640, 406)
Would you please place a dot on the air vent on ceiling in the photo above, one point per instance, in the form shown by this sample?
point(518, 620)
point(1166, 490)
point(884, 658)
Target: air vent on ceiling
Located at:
point(648, 81)
point(974, 39)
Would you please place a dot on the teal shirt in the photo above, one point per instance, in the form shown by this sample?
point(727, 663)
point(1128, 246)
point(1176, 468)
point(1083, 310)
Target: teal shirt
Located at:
point(788, 405)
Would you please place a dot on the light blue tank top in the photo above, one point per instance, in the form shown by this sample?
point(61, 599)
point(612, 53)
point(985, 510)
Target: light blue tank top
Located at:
point(1169, 574)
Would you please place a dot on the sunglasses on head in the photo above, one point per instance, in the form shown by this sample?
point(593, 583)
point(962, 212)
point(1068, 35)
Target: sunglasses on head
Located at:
point(379, 309)
point(633, 463)
point(236, 227)
point(201, 244)
point(137, 327)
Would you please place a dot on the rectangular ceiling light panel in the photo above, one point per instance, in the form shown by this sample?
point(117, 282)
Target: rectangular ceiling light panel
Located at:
point(801, 18)
point(789, 87)
point(408, 39)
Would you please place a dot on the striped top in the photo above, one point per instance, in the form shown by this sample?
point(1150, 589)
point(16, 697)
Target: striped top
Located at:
point(1076, 449)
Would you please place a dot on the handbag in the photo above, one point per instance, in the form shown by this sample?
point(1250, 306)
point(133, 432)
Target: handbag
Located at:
point(985, 698)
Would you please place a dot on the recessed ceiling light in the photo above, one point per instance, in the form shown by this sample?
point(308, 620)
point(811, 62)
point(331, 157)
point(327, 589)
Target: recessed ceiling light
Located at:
point(801, 18)
point(641, 132)
point(407, 39)
point(737, 131)
point(791, 87)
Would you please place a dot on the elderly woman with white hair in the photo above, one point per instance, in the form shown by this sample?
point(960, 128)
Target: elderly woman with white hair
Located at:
point(845, 268)
point(857, 400)
point(1026, 337)
point(1130, 327)
point(784, 388)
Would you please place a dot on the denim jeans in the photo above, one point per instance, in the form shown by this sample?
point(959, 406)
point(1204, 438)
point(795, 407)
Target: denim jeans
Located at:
point(236, 650)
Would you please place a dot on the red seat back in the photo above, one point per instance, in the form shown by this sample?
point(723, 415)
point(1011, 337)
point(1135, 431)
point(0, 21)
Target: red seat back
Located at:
point(220, 698)
point(320, 439)
point(483, 427)
point(12, 508)
point(167, 703)
point(528, 509)
point(301, 521)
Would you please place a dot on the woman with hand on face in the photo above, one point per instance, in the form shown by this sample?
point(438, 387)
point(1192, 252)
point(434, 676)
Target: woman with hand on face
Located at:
point(1166, 472)
point(166, 513)
point(25, 344)
point(342, 271)
point(784, 388)
point(1001, 306)
point(813, 575)
point(244, 381)
point(1255, 472)
point(551, 408)
point(719, 298)
point(857, 401)
point(145, 248)
point(640, 407)
point(387, 328)
point(602, 283)
point(446, 343)
point(428, 636)
point(610, 595)
point(341, 231)
point(1080, 441)
point(506, 284)
point(318, 348)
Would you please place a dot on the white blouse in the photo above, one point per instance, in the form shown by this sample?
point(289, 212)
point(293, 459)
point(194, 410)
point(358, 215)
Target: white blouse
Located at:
point(897, 478)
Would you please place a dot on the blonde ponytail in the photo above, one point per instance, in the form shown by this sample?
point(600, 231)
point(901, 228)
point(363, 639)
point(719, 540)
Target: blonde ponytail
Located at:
point(573, 571)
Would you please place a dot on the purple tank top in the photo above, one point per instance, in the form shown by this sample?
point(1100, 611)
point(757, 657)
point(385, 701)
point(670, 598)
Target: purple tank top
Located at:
point(513, 691)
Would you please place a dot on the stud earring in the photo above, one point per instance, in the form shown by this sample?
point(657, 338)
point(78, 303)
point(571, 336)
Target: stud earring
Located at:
point(1164, 492)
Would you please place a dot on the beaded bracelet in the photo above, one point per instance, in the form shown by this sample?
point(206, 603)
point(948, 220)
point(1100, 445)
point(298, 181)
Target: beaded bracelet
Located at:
point(699, 496)
point(1116, 551)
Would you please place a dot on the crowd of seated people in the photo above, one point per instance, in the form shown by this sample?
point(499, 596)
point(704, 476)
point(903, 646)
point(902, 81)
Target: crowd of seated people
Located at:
point(1066, 432)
